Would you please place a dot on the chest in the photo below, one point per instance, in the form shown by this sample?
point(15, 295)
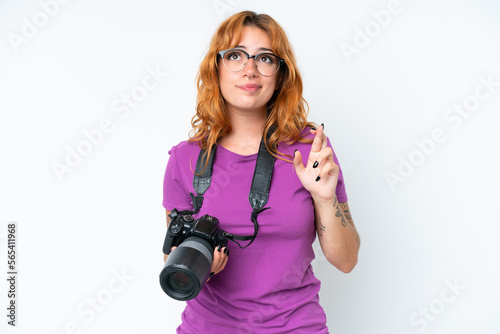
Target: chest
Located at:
point(291, 213)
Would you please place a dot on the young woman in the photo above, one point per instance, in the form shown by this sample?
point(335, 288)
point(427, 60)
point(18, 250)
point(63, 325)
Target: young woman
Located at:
point(248, 83)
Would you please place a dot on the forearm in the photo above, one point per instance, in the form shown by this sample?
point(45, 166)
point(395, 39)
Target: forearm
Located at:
point(337, 234)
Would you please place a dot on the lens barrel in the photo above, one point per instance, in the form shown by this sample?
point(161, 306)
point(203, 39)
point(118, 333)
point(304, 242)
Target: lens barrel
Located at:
point(187, 269)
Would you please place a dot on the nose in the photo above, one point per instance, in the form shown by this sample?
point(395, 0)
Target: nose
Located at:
point(251, 68)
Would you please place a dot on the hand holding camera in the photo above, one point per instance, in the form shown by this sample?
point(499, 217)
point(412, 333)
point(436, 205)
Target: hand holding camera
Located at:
point(197, 248)
point(219, 263)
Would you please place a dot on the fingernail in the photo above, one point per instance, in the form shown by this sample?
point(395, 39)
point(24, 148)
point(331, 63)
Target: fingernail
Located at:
point(317, 179)
point(323, 125)
point(225, 250)
point(218, 249)
point(211, 274)
point(315, 164)
point(294, 153)
point(228, 252)
point(313, 128)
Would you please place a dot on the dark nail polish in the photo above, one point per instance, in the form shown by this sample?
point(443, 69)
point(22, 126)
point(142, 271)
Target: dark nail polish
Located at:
point(225, 250)
point(317, 179)
point(218, 249)
point(323, 125)
point(212, 273)
point(294, 153)
point(228, 252)
point(315, 164)
point(313, 128)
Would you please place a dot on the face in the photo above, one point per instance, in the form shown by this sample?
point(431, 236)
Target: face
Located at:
point(248, 90)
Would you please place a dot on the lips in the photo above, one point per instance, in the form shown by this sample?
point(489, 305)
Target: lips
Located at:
point(250, 87)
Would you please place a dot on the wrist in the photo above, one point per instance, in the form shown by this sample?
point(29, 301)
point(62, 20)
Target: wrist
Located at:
point(320, 201)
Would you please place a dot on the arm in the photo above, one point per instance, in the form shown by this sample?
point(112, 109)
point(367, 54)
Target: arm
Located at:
point(337, 234)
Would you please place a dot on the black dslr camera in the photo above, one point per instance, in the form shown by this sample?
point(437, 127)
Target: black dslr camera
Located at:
point(188, 266)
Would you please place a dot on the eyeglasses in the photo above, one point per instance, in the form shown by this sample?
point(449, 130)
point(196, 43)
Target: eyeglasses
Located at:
point(236, 60)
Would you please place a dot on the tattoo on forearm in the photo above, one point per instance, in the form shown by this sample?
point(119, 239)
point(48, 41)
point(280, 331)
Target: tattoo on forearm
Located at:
point(347, 213)
point(348, 216)
point(322, 229)
point(340, 214)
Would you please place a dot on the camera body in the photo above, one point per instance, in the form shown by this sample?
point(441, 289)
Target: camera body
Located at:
point(182, 227)
point(188, 266)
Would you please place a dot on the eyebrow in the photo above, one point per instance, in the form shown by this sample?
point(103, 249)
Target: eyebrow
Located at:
point(259, 49)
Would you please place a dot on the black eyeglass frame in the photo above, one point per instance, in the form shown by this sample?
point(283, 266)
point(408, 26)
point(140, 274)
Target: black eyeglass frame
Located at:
point(281, 60)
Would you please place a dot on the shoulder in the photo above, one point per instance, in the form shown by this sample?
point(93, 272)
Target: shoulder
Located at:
point(305, 136)
point(184, 148)
point(306, 133)
point(184, 154)
point(303, 145)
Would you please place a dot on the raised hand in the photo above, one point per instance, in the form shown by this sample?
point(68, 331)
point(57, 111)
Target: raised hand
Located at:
point(321, 173)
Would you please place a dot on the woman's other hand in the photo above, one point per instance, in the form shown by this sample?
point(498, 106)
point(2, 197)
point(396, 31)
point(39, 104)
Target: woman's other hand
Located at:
point(321, 173)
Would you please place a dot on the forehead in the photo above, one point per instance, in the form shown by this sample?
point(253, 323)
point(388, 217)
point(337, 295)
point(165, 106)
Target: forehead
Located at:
point(253, 38)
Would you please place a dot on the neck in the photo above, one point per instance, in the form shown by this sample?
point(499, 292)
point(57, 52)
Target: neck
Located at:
point(247, 127)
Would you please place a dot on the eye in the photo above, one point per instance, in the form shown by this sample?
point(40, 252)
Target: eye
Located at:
point(233, 55)
point(268, 59)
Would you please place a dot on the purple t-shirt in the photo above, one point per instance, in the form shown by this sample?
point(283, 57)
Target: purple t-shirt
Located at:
point(268, 287)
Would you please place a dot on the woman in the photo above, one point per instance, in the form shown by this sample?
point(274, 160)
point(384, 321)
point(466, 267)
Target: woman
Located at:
point(248, 83)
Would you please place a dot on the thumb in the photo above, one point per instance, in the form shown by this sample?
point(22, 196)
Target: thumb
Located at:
point(297, 162)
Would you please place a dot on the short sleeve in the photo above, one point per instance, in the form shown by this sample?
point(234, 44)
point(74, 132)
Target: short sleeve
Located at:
point(175, 191)
point(340, 191)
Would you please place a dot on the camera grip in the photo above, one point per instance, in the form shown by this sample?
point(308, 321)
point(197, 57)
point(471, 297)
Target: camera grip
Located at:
point(168, 243)
point(173, 237)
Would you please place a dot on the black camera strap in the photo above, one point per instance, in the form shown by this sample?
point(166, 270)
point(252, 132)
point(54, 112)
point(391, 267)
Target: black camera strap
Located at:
point(259, 191)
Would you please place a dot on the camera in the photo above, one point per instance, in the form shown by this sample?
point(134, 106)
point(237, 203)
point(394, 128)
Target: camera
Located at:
point(188, 266)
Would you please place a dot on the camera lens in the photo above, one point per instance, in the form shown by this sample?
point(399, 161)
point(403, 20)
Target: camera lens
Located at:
point(180, 283)
point(187, 269)
point(182, 280)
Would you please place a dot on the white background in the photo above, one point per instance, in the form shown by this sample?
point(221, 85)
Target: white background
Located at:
point(437, 226)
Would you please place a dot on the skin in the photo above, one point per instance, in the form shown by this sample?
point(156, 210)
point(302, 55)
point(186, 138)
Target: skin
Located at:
point(247, 112)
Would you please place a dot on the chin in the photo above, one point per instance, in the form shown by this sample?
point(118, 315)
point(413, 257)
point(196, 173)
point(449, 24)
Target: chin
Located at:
point(248, 105)
point(252, 107)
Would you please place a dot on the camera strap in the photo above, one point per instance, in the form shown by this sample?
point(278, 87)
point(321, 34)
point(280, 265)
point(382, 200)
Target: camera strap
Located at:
point(259, 191)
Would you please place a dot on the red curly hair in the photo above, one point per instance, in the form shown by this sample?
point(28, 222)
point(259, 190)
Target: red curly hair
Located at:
point(287, 109)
